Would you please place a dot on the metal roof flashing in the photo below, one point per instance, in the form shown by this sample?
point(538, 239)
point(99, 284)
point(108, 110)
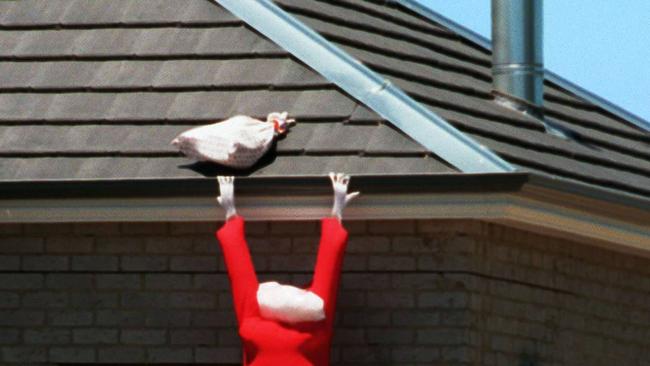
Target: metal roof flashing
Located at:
point(366, 86)
point(422, 10)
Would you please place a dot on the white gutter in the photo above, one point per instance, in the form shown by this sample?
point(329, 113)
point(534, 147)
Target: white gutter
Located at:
point(535, 209)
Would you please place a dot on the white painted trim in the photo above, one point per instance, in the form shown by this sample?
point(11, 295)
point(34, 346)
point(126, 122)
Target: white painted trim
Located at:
point(610, 225)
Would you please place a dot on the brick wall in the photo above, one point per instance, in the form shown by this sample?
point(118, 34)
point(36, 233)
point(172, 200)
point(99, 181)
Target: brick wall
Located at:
point(412, 293)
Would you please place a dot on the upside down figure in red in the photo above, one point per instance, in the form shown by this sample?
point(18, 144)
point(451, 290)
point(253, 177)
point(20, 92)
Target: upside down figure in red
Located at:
point(269, 341)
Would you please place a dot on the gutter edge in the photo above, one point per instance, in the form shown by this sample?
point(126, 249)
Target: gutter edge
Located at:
point(524, 202)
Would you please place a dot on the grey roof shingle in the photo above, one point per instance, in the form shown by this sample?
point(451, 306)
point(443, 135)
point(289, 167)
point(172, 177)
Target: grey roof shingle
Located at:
point(37, 13)
point(96, 89)
point(116, 43)
point(452, 77)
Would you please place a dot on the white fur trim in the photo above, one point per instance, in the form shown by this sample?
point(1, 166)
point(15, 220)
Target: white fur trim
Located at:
point(289, 303)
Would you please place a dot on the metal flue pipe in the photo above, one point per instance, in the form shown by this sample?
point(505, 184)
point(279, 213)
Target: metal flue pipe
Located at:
point(517, 52)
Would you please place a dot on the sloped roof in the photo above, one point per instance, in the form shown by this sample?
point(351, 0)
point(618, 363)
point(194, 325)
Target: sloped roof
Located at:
point(452, 76)
point(97, 89)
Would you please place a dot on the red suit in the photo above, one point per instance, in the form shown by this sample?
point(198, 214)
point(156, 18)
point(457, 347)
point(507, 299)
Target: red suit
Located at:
point(273, 343)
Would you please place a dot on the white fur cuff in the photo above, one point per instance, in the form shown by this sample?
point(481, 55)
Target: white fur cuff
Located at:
point(289, 303)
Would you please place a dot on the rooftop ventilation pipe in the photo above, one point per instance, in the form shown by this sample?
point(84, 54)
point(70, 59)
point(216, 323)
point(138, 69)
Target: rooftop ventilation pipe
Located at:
point(517, 59)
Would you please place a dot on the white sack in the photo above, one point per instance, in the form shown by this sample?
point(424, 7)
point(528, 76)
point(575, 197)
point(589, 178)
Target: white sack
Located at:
point(288, 303)
point(237, 142)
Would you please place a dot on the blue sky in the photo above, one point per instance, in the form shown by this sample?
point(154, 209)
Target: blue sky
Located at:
point(601, 45)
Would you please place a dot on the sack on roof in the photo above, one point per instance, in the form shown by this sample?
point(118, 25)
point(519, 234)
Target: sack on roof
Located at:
point(237, 142)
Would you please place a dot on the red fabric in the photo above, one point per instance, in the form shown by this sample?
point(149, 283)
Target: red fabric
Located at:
point(272, 343)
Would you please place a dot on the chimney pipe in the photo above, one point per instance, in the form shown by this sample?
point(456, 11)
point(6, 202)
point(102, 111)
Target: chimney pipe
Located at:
point(517, 54)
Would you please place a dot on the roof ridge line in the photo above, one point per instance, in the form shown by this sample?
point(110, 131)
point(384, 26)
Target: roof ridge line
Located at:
point(366, 86)
point(627, 116)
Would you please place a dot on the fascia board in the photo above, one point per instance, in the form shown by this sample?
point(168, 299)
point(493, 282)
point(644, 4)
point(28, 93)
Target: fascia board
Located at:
point(368, 87)
point(425, 11)
point(533, 208)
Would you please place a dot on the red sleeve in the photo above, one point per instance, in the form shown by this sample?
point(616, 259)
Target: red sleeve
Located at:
point(243, 280)
point(327, 272)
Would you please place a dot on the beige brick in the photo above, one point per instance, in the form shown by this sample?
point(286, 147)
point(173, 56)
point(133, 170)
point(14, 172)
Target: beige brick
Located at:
point(24, 355)
point(366, 354)
point(168, 245)
point(72, 354)
point(351, 299)
point(194, 263)
point(184, 228)
point(295, 227)
point(143, 336)
point(193, 300)
point(119, 244)
point(256, 227)
point(69, 244)
point(217, 355)
point(9, 262)
point(355, 262)
point(368, 244)
point(97, 228)
point(21, 244)
point(361, 319)
point(442, 336)
point(428, 299)
point(168, 355)
point(166, 281)
point(412, 244)
point(366, 281)
point(95, 336)
point(132, 354)
point(205, 244)
point(304, 244)
point(356, 227)
point(292, 262)
point(390, 336)
point(144, 227)
point(450, 226)
point(391, 263)
point(10, 229)
point(15, 281)
point(228, 337)
point(391, 299)
point(409, 355)
point(481, 294)
point(270, 245)
point(344, 335)
point(416, 318)
point(144, 263)
point(45, 263)
point(9, 300)
point(101, 263)
point(47, 228)
point(391, 227)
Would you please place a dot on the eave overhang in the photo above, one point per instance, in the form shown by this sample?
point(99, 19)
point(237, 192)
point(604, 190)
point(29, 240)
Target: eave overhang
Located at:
point(552, 207)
